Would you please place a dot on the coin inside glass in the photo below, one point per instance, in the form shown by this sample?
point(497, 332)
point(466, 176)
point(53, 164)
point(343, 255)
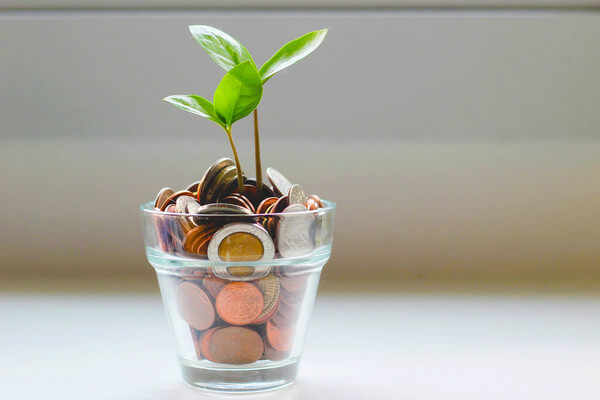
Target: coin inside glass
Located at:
point(241, 246)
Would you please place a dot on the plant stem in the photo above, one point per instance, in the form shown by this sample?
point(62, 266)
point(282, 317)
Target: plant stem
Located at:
point(259, 181)
point(238, 168)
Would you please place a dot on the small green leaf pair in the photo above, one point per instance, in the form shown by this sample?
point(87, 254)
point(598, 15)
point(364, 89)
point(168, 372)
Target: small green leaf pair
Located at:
point(240, 91)
point(237, 95)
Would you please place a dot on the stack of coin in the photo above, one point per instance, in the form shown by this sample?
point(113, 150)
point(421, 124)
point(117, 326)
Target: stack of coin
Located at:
point(276, 218)
point(241, 322)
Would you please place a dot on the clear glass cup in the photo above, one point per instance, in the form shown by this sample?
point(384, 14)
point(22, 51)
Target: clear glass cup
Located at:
point(238, 290)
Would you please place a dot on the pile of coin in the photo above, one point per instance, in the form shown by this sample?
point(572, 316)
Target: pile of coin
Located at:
point(238, 314)
point(233, 322)
point(224, 223)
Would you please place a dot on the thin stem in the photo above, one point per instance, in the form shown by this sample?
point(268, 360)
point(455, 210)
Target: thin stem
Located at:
point(238, 167)
point(259, 181)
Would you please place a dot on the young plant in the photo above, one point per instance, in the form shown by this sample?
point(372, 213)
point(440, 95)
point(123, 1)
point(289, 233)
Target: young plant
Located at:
point(228, 53)
point(237, 95)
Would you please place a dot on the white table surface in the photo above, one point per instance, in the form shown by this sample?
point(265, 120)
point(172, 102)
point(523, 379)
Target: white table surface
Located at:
point(367, 347)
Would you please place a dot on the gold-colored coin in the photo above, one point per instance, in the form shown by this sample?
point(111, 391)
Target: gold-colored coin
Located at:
point(270, 289)
point(241, 246)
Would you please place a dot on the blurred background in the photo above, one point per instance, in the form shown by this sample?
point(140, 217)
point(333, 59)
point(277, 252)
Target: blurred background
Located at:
point(461, 141)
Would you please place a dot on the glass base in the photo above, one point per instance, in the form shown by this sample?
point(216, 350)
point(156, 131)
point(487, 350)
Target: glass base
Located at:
point(239, 379)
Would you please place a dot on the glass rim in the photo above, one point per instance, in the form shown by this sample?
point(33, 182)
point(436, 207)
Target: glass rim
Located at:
point(148, 208)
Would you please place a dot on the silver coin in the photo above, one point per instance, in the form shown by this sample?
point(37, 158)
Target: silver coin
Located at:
point(294, 232)
point(280, 183)
point(211, 173)
point(255, 230)
point(182, 202)
point(296, 195)
point(162, 196)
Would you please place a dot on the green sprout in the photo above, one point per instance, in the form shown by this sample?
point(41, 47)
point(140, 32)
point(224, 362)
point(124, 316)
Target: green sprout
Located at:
point(237, 95)
point(240, 91)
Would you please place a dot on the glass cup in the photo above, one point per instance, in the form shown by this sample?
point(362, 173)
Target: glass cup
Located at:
point(238, 290)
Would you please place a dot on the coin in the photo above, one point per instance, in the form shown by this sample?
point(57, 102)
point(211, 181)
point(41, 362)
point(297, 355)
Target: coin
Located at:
point(280, 205)
point(294, 283)
point(251, 192)
point(196, 341)
point(194, 187)
point(195, 238)
point(233, 345)
point(274, 355)
point(218, 185)
point(195, 307)
point(182, 202)
point(265, 204)
point(316, 199)
point(239, 303)
point(279, 338)
point(162, 197)
point(269, 287)
point(209, 176)
point(203, 341)
point(294, 237)
point(296, 195)
point(266, 192)
point(241, 242)
point(281, 185)
point(213, 284)
point(239, 200)
point(173, 198)
point(283, 320)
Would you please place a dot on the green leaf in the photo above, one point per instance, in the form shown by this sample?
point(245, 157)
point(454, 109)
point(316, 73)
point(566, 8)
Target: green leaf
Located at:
point(238, 93)
point(225, 50)
point(291, 53)
point(195, 105)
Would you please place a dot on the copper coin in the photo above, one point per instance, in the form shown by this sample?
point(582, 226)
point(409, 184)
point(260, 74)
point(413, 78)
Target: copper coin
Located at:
point(233, 345)
point(266, 189)
point(274, 355)
point(162, 197)
point(203, 341)
point(198, 236)
point(194, 187)
point(265, 204)
point(239, 200)
point(311, 204)
point(239, 303)
point(173, 198)
point(269, 287)
point(282, 320)
point(171, 208)
point(289, 310)
point(316, 199)
point(279, 338)
point(251, 193)
point(195, 306)
point(196, 340)
point(213, 284)
point(280, 205)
